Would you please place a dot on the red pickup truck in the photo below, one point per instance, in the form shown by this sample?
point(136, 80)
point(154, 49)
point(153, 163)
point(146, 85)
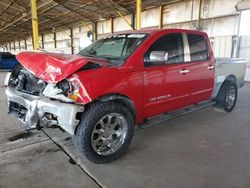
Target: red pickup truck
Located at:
point(124, 79)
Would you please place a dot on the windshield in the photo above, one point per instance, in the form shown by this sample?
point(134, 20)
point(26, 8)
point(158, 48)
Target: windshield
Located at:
point(115, 48)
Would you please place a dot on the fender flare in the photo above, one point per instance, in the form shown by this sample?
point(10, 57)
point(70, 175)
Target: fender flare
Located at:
point(124, 100)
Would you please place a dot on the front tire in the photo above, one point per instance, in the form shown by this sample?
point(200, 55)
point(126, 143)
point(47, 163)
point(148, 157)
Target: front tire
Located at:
point(227, 96)
point(105, 132)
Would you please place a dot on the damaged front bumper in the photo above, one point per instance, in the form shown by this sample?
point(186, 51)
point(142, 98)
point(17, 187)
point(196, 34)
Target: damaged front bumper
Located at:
point(35, 111)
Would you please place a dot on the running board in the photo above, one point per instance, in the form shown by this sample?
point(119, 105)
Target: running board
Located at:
point(174, 114)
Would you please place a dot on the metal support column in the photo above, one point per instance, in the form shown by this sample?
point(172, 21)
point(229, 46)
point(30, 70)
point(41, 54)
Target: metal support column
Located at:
point(25, 44)
point(94, 30)
point(160, 16)
point(133, 20)
point(111, 25)
point(42, 36)
point(19, 45)
point(34, 24)
point(14, 45)
point(138, 14)
point(237, 45)
point(55, 45)
point(199, 15)
point(72, 41)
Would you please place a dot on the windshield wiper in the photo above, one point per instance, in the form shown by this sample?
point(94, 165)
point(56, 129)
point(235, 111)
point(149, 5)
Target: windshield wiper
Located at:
point(88, 54)
point(110, 58)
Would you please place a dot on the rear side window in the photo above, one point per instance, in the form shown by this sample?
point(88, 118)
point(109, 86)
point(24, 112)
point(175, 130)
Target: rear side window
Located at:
point(170, 43)
point(198, 47)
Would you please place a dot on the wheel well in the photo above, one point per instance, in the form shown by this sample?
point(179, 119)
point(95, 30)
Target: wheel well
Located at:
point(231, 78)
point(124, 100)
point(127, 102)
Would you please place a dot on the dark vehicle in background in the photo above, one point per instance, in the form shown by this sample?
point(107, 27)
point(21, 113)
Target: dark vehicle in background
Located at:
point(7, 60)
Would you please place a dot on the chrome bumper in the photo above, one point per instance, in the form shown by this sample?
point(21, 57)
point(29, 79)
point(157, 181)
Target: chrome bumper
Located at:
point(32, 110)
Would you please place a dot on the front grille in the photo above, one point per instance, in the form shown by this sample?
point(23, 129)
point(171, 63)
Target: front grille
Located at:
point(28, 83)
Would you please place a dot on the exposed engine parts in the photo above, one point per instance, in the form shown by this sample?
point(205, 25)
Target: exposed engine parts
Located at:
point(24, 81)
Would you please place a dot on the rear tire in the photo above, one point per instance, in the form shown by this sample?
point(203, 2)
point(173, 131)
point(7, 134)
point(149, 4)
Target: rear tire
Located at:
point(105, 132)
point(227, 96)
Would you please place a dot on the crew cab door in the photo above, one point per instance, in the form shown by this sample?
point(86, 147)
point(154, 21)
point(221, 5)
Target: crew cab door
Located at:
point(183, 78)
point(201, 66)
point(165, 82)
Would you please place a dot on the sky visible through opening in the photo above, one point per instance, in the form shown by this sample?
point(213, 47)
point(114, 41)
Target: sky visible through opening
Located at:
point(244, 24)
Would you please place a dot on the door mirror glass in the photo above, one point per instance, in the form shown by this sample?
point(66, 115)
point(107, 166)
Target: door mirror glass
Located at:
point(158, 56)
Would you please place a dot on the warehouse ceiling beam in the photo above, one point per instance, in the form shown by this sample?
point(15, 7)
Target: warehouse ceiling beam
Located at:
point(19, 8)
point(39, 7)
point(75, 11)
point(20, 17)
point(8, 5)
point(123, 7)
point(65, 14)
point(4, 11)
point(26, 20)
point(20, 24)
point(59, 15)
point(84, 8)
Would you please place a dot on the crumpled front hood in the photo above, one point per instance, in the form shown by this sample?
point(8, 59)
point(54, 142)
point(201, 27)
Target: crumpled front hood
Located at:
point(52, 67)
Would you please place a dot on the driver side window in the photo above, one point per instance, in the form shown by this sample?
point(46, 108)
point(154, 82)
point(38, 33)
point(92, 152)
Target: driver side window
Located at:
point(170, 45)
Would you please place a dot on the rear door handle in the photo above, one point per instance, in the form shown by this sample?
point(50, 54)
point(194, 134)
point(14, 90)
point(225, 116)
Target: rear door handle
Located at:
point(211, 67)
point(184, 71)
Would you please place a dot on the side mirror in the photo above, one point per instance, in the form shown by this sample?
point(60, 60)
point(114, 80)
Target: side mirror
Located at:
point(158, 56)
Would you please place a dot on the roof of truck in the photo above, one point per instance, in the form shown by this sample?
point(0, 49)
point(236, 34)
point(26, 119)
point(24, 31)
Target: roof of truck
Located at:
point(149, 31)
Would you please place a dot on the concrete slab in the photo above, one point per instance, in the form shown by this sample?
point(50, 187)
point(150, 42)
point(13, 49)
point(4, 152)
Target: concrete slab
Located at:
point(41, 165)
point(19, 138)
point(32, 159)
point(203, 149)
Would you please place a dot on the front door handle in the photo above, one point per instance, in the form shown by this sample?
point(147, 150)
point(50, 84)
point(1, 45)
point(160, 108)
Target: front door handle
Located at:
point(210, 67)
point(184, 71)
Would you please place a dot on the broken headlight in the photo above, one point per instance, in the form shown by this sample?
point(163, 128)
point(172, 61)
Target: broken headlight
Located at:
point(69, 89)
point(65, 86)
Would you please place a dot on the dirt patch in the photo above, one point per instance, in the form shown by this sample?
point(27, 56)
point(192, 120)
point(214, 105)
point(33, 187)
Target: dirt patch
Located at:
point(68, 138)
point(52, 150)
point(20, 136)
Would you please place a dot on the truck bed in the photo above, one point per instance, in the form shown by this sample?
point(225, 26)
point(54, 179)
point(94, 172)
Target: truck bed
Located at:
point(225, 67)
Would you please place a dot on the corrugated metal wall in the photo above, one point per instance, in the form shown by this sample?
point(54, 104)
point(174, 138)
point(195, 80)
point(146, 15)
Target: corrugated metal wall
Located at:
point(222, 46)
point(244, 52)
